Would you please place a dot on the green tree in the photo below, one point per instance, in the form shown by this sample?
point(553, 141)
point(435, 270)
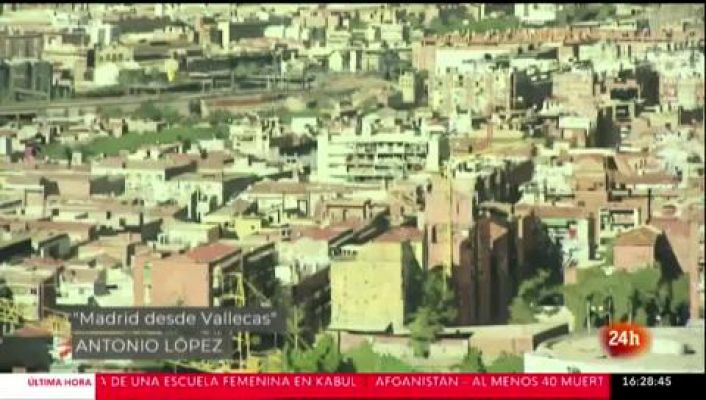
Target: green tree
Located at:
point(645, 296)
point(298, 334)
point(68, 154)
point(529, 296)
point(608, 256)
point(586, 12)
point(6, 300)
point(170, 116)
point(5, 291)
point(450, 21)
point(186, 144)
point(219, 117)
point(222, 132)
point(322, 357)
point(501, 23)
point(436, 310)
point(365, 359)
point(423, 331)
point(438, 296)
point(359, 24)
point(110, 112)
point(641, 317)
point(506, 363)
point(672, 301)
point(127, 77)
point(472, 362)
point(149, 111)
point(521, 312)
point(245, 69)
point(646, 280)
point(156, 76)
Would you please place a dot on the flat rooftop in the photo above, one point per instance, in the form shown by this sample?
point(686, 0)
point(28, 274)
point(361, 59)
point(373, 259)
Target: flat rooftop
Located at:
point(673, 349)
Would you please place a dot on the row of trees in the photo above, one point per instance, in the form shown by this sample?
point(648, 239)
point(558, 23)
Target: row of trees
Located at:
point(505, 362)
point(573, 13)
point(460, 21)
point(645, 296)
point(147, 110)
point(325, 357)
point(435, 309)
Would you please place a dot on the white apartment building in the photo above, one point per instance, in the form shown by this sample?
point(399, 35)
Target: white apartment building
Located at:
point(337, 39)
point(252, 135)
point(378, 156)
point(479, 93)
point(465, 60)
point(536, 13)
point(408, 87)
point(392, 34)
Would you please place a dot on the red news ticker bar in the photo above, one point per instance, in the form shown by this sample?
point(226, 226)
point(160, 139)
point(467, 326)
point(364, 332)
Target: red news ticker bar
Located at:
point(139, 386)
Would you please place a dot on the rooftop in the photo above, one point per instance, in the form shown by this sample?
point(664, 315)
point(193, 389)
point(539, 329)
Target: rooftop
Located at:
point(641, 236)
point(553, 211)
point(401, 234)
point(319, 233)
point(673, 349)
point(156, 164)
point(211, 252)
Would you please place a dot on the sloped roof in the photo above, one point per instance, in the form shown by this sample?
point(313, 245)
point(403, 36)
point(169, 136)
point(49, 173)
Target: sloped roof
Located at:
point(210, 252)
point(641, 236)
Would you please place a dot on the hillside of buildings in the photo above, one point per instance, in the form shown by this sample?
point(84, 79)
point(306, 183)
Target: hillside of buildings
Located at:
point(423, 187)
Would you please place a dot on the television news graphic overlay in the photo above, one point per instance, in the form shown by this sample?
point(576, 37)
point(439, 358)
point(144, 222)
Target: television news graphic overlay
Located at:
point(170, 319)
point(161, 333)
point(149, 347)
point(137, 386)
point(625, 339)
point(350, 386)
point(47, 386)
point(629, 386)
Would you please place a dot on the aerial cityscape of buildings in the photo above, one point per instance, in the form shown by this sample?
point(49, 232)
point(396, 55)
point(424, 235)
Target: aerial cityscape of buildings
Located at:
point(423, 187)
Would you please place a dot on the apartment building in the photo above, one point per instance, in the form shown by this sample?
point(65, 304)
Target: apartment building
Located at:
point(144, 179)
point(381, 272)
point(33, 289)
point(26, 78)
point(568, 226)
point(380, 156)
point(194, 278)
point(480, 92)
point(21, 44)
point(536, 13)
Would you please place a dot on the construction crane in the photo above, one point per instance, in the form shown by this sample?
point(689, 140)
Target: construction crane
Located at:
point(449, 178)
point(246, 363)
point(242, 339)
point(10, 315)
point(490, 110)
point(57, 322)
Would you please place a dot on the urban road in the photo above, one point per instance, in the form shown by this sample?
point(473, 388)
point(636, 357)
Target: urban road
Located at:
point(319, 86)
point(175, 97)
